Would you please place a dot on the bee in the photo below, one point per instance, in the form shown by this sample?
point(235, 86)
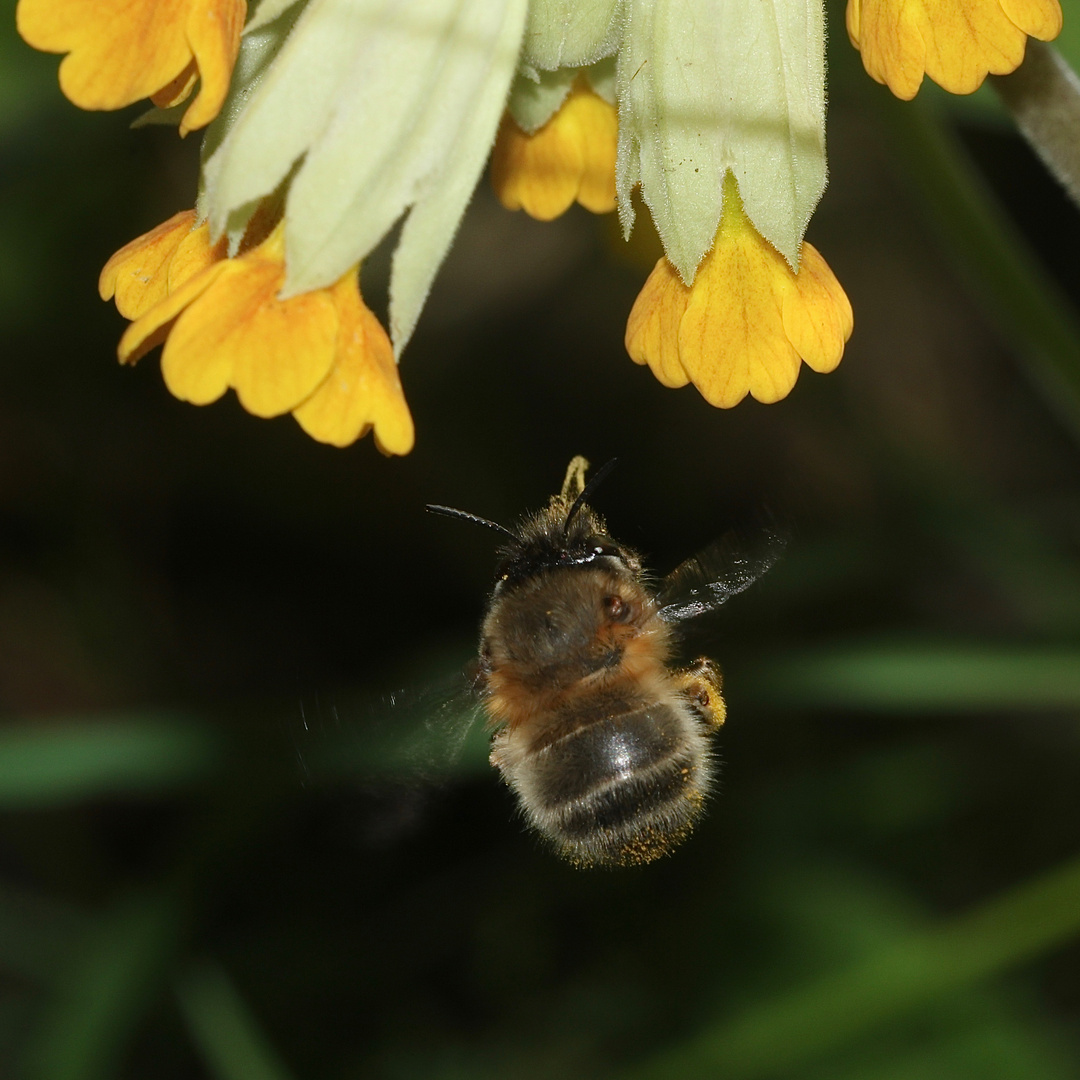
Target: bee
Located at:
point(605, 743)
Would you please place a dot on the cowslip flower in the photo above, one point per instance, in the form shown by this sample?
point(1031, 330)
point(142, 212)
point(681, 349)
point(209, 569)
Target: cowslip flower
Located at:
point(120, 51)
point(143, 272)
point(368, 110)
point(717, 99)
point(569, 156)
point(350, 117)
point(722, 123)
point(321, 355)
point(747, 320)
point(956, 42)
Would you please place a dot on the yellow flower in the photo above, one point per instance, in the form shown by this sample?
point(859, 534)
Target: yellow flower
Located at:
point(363, 390)
point(747, 320)
point(144, 272)
point(120, 51)
point(571, 157)
point(956, 42)
point(321, 354)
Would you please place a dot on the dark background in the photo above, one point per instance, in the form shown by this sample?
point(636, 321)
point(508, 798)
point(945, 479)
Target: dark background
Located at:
point(193, 885)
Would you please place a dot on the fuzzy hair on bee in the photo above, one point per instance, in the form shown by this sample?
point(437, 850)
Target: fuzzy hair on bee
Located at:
point(605, 743)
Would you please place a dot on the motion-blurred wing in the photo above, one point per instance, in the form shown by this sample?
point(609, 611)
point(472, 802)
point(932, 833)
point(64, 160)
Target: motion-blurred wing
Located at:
point(427, 737)
point(713, 576)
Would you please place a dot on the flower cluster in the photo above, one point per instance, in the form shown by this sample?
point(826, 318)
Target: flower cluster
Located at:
point(330, 121)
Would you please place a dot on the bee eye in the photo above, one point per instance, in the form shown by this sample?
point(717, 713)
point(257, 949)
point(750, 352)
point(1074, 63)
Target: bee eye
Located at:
point(616, 608)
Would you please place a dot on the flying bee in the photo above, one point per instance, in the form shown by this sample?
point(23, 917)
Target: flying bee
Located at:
point(605, 743)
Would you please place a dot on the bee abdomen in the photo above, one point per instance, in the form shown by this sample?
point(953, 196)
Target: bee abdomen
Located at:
point(620, 790)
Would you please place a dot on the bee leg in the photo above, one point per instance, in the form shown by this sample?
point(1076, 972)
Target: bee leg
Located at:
point(701, 682)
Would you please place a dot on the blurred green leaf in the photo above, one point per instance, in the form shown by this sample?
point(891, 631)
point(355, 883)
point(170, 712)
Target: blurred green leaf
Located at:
point(1017, 291)
point(224, 1028)
point(921, 676)
point(37, 933)
point(28, 80)
point(111, 979)
point(826, 1013)
point(1068, 41)
point(997, 1043)
point(48, 762)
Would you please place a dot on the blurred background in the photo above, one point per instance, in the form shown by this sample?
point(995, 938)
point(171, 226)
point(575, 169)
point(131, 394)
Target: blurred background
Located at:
point(225, 854)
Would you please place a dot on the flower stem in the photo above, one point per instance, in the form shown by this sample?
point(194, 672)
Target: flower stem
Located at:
point(1043, 94)
point(1019, 294)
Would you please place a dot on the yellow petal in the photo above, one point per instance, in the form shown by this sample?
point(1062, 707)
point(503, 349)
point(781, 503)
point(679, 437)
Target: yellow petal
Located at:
point(852, 20)
point(1037, 18)
point(818, 319)
point(137, 273)
point(966, 40)
point(652, 331)
point(598, 131)
point(956, 42)
point(237, 333)
point(213, 32)
point(176, 91)
point(539, 173)
point(118, 50)
point(731, 339)
point(146, 332)
point(194, 254)
point(363, 389)
point(572, 157)
point(748, 320)
point(890, 38)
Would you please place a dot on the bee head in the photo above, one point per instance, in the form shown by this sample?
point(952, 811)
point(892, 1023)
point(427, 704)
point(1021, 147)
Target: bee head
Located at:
point(553, 539)
point(568, 533)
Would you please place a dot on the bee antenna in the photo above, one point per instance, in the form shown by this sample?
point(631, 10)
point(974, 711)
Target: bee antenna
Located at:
point(449, 511)
point(598, 478)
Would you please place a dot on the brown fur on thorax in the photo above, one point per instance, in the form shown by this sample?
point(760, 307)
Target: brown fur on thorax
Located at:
point(512, 699)
point(518, 693)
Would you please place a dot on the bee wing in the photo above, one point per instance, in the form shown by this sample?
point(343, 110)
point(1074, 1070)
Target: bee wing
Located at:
point(713, 576)
point(427, 737)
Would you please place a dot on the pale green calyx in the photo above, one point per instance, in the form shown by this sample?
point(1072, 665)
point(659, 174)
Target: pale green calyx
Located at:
point(266, 11)
point(534, 99)
point(571, 33)
point(376, 107)
point(260, 44)
point(536, 96)
point(706, 86)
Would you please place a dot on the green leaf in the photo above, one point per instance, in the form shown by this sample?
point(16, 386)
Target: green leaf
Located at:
point(37, 933)
point(109, 983)
point(224, 1027)
point(922, 676)
point(989, 251)
point(60, 761)
point(827, 1013)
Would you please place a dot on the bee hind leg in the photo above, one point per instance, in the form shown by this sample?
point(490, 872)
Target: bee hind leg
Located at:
point(701, 682)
